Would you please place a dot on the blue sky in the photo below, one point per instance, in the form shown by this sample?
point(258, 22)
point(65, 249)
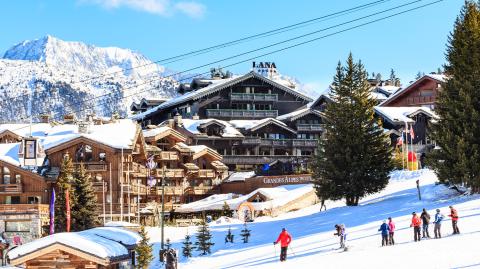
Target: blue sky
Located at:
point(158, 29)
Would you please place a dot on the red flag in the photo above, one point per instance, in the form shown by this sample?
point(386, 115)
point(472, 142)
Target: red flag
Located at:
point(67, 201)
point(412, 134)
point(400, 141)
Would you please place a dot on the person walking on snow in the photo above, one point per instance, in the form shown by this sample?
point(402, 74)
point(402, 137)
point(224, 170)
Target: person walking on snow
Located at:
point(391, 227)
point(385, 230)
point(416, 223)
point(438, 224)
point(426, 220)
point(284, 238)
point(454, 216)
point(341, 232)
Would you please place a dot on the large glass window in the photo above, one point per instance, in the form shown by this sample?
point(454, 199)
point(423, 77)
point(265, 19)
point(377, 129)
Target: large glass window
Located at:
point(33, 200)
point(6, 175)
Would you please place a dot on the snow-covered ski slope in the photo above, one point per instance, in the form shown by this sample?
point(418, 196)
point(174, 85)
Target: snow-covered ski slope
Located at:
point(314, 245)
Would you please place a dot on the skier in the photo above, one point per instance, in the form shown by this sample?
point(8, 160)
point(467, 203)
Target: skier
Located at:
point(454, 216)
point(391, 227)
point(426, 220)
point(438, 224)
point(385, 229)
point(341, 232)
point(416, 222)
point(284, 238)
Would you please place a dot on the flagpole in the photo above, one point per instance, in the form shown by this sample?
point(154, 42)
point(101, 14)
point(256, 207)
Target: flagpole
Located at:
point(121, 189)
point(129, 189)
point(403, 155)
point(111, 193)
point(52, 212)
point(103, 200)
point(406, 144)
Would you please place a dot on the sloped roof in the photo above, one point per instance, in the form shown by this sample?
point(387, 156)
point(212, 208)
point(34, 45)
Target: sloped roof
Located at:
point(192, 126)
point(253, 125)
point(436, 77)
point(217, 85)
point(294, 115)
point(402, 115)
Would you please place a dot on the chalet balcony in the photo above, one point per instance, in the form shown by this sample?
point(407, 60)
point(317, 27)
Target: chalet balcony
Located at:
point(259, 159)
point(305, 143)
point(238, 113)
point(135, 168)
point(135, 188)
point(41, 209)
point(276, 142)
point(167, 156)
point(206, 173)
point(99, 186)
point(309, 127)
point(251, 141)
point(169, 173)
point(11, 188)
point(170, 190)
point(199, 190)
point(93, 166)
point(265, 97)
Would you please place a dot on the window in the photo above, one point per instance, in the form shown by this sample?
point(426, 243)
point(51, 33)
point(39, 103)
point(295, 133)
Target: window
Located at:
point(29, 149)
point(17, 226)
point(88, 153)
point(84, 153)
point(12, 200)
point(6, 175)
point(33, 200)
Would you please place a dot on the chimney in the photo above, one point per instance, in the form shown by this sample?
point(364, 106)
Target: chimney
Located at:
point(195, 117)
point(171, 123)
point(115, 117)
point(44, 118)
point(177, 119)
point(69, 118)
point(83, 127)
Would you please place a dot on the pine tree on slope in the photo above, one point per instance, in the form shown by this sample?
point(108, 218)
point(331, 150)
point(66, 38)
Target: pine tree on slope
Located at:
point(457, 132)
point(143, 250)
point(84, 213)
point(204, 239)
point(245, 233)
point(355, 158)
point(64, 181)
point(187, 247)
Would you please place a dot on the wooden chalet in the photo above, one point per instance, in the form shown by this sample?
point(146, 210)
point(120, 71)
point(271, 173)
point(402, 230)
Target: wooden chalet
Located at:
point(422, 92)
point(106, 248)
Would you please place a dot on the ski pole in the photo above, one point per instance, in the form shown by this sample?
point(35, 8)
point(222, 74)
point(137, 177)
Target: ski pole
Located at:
point(275, 248)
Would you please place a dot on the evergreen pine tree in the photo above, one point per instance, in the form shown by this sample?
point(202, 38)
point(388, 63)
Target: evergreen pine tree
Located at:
point(393, 77)
point(419, 75)
point(143, 250)
point(229, 236)
point(187, 247)
point(204, 239)
point(245, 233)
point(84, 213)
point(355, 158)
point(226, 211)
point(457, 132)
point(64, 181)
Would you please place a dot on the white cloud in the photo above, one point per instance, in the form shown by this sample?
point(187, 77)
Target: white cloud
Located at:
point(158, 7)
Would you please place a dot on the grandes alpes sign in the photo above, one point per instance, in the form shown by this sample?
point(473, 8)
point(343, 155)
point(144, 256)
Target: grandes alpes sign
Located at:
point(287, 179)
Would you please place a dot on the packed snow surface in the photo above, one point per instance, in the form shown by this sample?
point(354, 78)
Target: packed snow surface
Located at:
point(315, 246)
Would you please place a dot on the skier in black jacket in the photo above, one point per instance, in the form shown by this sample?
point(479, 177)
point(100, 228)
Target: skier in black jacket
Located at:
point(425, 220)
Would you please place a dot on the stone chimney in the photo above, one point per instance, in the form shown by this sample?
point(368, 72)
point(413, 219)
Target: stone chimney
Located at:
point(171, 123)
point(44, 118)
point(177, 119)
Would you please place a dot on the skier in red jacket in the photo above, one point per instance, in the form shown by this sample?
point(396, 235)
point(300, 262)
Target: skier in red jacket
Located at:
point(454, 216)
point(416, 223)
point(284, 238)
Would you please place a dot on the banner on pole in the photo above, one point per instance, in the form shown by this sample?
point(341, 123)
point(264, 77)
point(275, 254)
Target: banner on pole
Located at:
point(52, 212)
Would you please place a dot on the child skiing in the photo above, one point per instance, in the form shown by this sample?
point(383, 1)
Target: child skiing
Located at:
point(438, 224)
point(284, 238)
point(341, 232)
point(385, 230)
point(416, 223)
point(454, 216)
point(391, 227)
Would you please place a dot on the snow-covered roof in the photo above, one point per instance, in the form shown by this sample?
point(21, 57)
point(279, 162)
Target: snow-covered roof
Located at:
point(299, 113)
point(156, 131)
point(9, 153)
point(276, 197)
point(240, 176)
point(402, 115)
point(192, 126)
point(215, 86)
point(23, 130)
point(100, 242)
point(255, 124)
point(389, 88)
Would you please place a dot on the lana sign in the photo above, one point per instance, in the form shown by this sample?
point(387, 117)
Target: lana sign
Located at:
point(290, 179)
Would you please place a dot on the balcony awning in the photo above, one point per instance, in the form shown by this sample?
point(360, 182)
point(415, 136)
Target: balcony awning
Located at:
point(219, 165)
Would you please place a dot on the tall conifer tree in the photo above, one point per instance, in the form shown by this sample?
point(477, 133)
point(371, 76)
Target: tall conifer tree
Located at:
point(355, 158)
point(64, 183)
point(457, 132)
point(84, 213)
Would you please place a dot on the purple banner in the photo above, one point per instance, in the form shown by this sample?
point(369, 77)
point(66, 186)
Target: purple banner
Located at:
point(52, 212)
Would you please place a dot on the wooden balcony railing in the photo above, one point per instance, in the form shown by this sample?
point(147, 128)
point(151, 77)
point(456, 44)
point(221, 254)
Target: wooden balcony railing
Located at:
point(251, 141)
point(168, 156)
point(135, 188)
point(206, 173)
point(25, 208)
point(309, 127)
point(258, 159)
point(170, 190)
point(169, 173)
point(253, 97)
point(11, 188)
point(135, 167)
point(237, 113)
point(93, 166)
point(305, 142)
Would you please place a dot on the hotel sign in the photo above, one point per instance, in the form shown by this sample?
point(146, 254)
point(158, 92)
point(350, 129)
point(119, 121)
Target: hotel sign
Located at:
point(287, 180)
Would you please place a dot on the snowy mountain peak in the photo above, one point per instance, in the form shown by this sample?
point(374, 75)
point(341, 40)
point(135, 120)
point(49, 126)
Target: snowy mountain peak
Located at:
point(55, 52)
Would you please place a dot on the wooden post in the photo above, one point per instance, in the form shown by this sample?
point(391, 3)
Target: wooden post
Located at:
point(418, 190)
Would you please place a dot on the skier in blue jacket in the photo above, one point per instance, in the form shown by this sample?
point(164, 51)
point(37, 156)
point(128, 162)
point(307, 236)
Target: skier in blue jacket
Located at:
point(384, 229)
point(438, 224)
